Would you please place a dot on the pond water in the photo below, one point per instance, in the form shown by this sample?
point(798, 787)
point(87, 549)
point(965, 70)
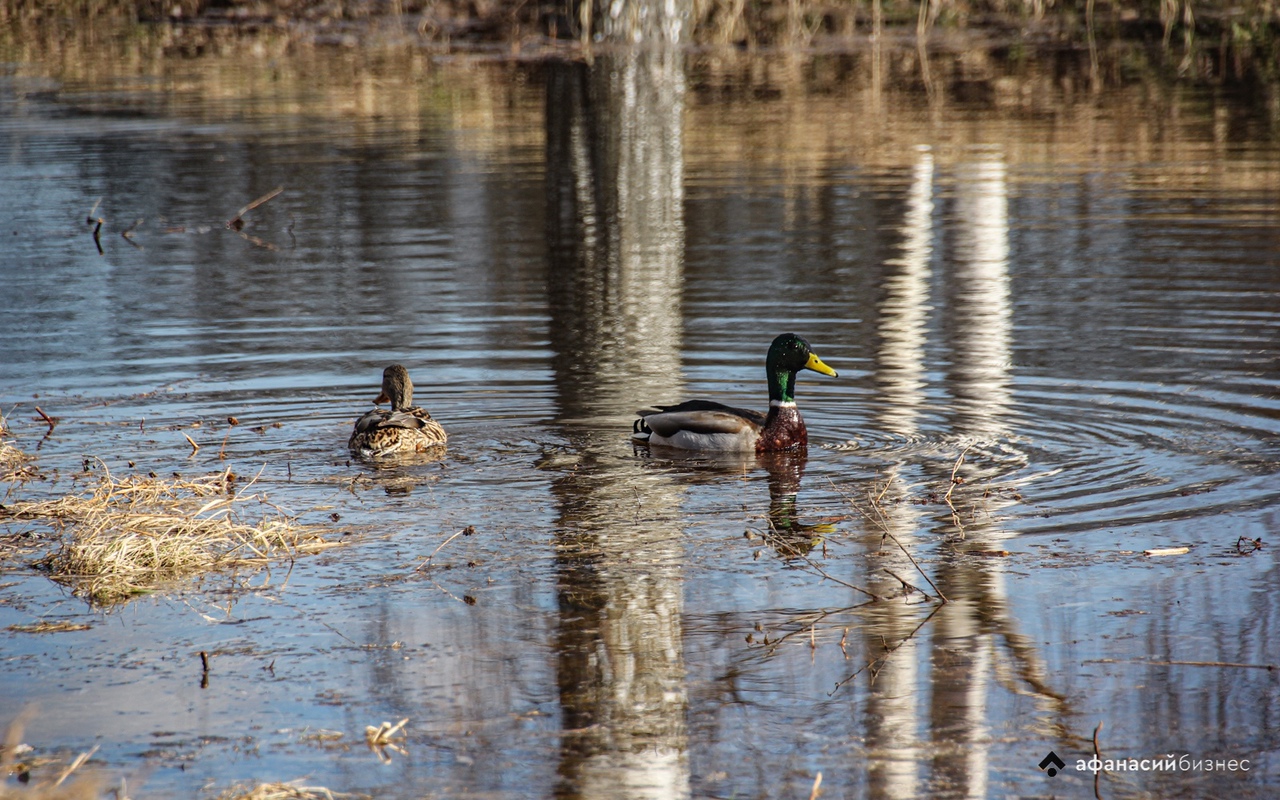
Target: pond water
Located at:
point(1070, 301)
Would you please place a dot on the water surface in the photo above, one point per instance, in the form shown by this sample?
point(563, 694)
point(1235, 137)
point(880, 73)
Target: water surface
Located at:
point(1068, 303)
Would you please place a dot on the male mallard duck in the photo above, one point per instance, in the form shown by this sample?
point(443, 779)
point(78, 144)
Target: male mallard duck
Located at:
point(404, 428)
point(707, 425)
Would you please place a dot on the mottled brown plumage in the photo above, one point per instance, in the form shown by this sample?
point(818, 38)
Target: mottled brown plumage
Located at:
point(404, 428)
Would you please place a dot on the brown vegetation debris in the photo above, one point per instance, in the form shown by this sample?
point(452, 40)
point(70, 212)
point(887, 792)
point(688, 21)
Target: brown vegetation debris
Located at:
point(125, 537)
point(14, 463)
point(49, 627)
point(279, 791)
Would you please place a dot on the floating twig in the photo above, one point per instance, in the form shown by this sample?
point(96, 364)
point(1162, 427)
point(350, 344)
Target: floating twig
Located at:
point(237, 222)
point(884, 528)
point(379, 739)
point(1167, 551)
point(382, 734)
point(467, 531)
point(52, 422)
point(75, 765)
point(1097, 754)
point(955, 481)
point(1176, 663)
point(915, 564)
point(194, 447)
point(128, 232)
point(1254, 545)
point(876, 662)
point(256, 242)
point(97, 224)
point(909, 587)
point(813, 566)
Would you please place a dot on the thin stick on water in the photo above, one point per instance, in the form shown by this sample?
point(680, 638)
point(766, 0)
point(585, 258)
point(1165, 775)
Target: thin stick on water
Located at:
point(884, 528)
point(449, 593)
point(382, 734)
point(883, 491)
point(888, 652)
point(75, 765)
point(467, 531)
point(916, 564)
point(955, 468)
point(909, 587)
point(128, 232)
point(1097, 754)
point(1229, 664)
point(817, 787)
point(97, 225)
point(52, 422)
point(812, 565)
point(237, 221)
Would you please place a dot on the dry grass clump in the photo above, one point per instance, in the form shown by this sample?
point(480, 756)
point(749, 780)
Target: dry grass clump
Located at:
point(128, 536)
point(14, 464)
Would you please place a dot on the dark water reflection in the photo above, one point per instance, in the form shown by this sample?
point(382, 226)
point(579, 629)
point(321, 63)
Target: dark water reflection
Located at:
point(615, 260)
point(1074, 313)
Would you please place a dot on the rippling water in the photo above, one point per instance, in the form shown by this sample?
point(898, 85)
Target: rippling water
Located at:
point(1075, 314)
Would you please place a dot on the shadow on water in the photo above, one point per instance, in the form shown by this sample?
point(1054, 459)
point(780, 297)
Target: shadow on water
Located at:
point(1053, 357)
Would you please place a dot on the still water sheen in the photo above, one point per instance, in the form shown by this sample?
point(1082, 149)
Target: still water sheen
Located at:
point(1056, 319)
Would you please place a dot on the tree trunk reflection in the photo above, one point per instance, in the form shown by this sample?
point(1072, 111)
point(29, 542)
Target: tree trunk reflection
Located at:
point(616, 241)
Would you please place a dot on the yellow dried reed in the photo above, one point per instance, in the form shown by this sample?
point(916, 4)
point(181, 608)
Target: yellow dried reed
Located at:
point(128, 536)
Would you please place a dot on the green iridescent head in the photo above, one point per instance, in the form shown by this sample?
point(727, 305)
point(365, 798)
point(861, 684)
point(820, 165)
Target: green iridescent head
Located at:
point(788, 355)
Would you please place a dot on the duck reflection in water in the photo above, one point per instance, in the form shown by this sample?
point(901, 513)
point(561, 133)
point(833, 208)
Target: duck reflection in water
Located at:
point(782, 527)
point(789, 536)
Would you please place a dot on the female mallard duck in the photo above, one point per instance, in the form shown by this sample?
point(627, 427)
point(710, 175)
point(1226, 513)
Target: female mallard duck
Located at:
point(707, 425)
point(405, 428)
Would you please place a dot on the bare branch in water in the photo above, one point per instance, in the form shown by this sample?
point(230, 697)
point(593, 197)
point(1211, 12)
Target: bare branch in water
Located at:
point(237, 222)
point(96, 222)
point(884, 529)
point(52, 422)
point(955, 515)
point(467, 531)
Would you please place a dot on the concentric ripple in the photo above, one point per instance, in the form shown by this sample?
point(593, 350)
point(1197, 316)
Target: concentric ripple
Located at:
point(1106, 455)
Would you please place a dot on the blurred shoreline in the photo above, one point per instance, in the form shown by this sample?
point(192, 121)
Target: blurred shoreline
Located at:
point(1112, 43)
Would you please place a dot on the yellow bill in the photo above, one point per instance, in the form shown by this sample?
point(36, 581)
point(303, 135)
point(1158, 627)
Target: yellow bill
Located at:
point(816, 365)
